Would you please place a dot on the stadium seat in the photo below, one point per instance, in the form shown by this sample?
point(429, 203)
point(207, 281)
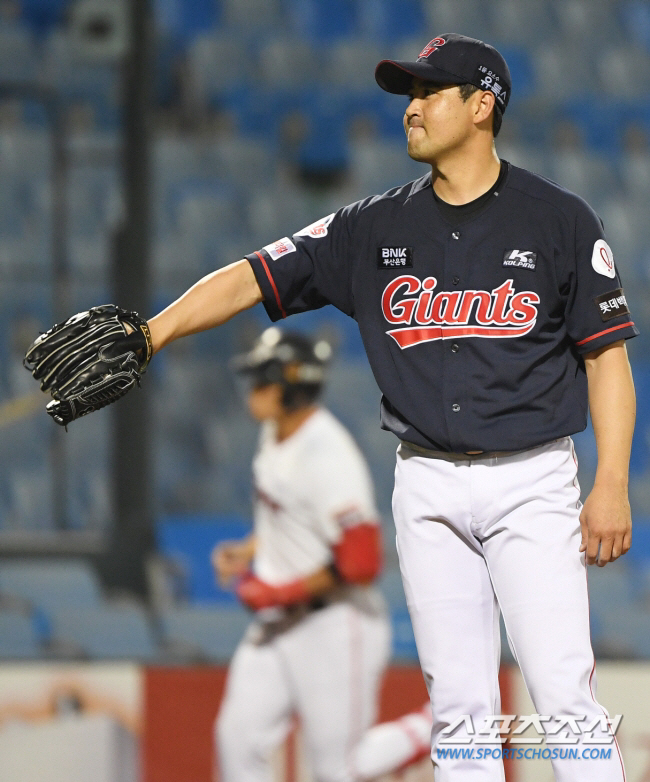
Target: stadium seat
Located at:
point(624, 72)
point(640, 458)
point(404, 649)
point(610, 586)
point(392, 589)
point(584, 20)
point(189, 542)
point(634, 169)
point(322, 20)
point(181, 22)
point(247, 15)
point(19, 61)
point(25, 152)
point(49, 585)
point(243, 161)
point(626, 631)
point(521, 71)
point(561, 71)
point(588, 174)
point(30, 497)
point(377, 165)
point(218, 63)
point(205, 633)
point(635, 18)
point(389, 20)
point(351, 64)
point(42, 15)
point(514, 22)
point(205, 209)
point(455, 15)
point(287, 62)
point(601, 125)
point(18, 637)
point(106, 631)
point(619, 218)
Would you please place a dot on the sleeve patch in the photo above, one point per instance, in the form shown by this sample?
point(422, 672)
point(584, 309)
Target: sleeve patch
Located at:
point(611, 305)
point(602, 259)
point(280, 248)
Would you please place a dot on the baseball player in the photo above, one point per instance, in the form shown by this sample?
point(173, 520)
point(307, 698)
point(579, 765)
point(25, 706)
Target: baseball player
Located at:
point(320, 639)
point(493, 317)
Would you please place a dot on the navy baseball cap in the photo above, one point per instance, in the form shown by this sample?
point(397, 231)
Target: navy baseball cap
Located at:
point(450, 59)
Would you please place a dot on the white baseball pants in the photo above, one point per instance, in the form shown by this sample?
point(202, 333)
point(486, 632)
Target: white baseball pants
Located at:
point(478, 534)
point(327, 669)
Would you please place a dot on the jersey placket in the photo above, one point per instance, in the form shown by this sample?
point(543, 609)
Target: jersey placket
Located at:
point(454, 394)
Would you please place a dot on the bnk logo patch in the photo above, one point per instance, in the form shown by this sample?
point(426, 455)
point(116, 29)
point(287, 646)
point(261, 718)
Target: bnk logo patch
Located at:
point(394, 257)
point(521, 259)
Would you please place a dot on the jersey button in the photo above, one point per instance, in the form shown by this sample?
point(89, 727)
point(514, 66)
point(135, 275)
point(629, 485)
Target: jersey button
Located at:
point(456, 235)
point(455, 280)
point(454, 348)
point(455, 407)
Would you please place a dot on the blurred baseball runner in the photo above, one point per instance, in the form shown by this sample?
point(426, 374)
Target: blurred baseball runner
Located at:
point(493, 317)
point(320, 639)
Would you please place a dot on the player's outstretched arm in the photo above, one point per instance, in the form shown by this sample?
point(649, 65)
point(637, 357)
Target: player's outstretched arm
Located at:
point(605, 519)
point(96, 357)
point(210, 302)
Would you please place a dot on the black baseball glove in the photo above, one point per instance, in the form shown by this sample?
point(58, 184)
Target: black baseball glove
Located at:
point(90, 361)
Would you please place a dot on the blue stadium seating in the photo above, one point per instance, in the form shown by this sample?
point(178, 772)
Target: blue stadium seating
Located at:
point(635, 18)
point(390, 20)
point(18, 637)
point(48, 585)
point(43, 15)
point(521, 72)
point(392, 589)
point(601, 124)
point(404, 649)
point(323, 20)
point(189, 543)
point(640, 457)
point(110, 632)
point(209, 633)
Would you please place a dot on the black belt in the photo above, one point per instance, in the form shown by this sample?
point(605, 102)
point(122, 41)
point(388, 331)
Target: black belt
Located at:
point(463, 457)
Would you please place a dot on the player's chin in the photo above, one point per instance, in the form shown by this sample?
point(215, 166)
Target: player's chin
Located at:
point(416, 152)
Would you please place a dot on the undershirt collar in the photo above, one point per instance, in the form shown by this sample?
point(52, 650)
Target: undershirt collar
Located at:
point(457, 215)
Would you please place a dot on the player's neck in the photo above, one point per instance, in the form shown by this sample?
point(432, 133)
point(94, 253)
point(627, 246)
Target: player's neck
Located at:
point(289, 422)
point(460, 178)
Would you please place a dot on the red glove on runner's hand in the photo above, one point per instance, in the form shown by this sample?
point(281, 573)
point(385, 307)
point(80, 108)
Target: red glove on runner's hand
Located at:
point(257, 594)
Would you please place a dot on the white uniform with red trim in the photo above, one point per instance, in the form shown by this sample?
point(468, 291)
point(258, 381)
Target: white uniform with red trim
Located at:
point(308, 489)
point(322, 663)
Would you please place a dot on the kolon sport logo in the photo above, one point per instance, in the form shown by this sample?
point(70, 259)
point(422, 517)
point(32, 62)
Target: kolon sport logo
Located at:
point(425, 317)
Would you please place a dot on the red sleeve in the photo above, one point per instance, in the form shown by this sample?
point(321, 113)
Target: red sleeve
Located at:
point(357, 556)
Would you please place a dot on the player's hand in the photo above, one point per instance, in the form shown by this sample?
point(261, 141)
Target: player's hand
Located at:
point(606, 524)
point(231, 560)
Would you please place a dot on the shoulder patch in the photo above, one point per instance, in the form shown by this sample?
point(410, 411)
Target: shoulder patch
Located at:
point(602, 259)
point(318, 229)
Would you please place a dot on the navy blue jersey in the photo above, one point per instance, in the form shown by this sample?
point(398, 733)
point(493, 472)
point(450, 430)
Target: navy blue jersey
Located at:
point(474, 332)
